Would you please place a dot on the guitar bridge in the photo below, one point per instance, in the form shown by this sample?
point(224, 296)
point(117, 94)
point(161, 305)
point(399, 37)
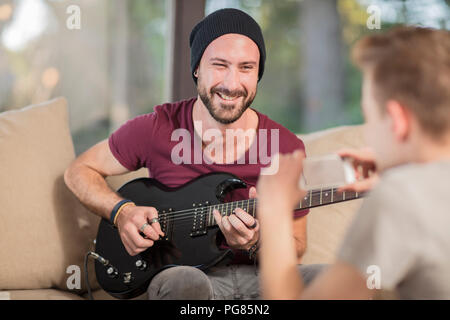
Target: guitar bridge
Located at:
point(164, 221)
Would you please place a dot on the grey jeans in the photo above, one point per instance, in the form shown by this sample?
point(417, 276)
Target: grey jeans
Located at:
point(232, 282)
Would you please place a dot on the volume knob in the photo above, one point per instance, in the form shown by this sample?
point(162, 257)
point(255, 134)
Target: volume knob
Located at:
point(112, 272)
point(141, 265)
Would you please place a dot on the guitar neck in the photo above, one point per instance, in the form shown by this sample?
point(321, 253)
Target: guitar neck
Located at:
point(313, 198)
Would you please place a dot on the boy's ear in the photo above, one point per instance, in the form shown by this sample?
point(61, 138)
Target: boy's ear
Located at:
point(400, 118)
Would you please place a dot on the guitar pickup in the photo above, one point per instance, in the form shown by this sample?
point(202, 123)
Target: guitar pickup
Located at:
point(199, 221)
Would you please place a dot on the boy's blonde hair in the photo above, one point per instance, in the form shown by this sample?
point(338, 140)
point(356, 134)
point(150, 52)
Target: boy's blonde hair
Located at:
point(412, 66)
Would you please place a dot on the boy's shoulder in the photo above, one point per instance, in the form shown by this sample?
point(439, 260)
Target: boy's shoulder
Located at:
point(417, 175)
point(412, 191)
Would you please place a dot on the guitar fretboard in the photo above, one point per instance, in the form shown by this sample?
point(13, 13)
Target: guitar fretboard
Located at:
point(313, 198)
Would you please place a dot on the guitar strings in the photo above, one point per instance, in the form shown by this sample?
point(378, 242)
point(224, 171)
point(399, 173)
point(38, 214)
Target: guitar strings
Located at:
point(207, 220)
point(191, 212)
point(234, 202)
point(206, 214)
point(175, 216)
point(188, 213)
point(185, 219)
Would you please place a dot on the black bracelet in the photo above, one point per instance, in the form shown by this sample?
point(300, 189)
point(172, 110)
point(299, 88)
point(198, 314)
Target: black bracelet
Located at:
point(116, 209)
point(253, 249)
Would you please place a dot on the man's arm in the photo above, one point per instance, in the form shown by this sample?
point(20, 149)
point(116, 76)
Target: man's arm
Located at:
point(85, 177)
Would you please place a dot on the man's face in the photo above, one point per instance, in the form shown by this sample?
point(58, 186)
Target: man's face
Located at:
point(228, 77)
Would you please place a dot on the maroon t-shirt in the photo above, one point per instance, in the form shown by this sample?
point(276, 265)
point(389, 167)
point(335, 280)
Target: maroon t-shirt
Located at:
point(146, 141)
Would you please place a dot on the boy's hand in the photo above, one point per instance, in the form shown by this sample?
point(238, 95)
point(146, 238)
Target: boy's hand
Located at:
point(366, 173)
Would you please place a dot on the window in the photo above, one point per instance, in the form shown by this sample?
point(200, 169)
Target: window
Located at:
point(309, 82)
point(110, 67)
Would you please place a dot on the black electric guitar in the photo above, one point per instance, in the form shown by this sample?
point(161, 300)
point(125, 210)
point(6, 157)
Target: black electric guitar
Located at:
point(191, 233)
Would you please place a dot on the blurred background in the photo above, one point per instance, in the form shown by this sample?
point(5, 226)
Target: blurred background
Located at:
point(116, 59)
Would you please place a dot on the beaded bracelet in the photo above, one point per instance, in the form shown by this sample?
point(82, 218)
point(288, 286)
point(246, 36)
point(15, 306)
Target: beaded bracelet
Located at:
point(117, 209)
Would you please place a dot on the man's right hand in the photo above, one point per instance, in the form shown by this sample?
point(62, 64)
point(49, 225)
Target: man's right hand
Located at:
point(365, 167)
point(129, 223)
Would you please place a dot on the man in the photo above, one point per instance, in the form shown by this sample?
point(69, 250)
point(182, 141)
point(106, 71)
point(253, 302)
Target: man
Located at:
point(227, 61)
point(400, 238)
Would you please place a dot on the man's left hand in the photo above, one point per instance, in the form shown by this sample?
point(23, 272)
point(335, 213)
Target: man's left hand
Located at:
point(240, 229)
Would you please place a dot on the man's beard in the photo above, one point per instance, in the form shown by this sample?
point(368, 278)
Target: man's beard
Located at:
point(215, 111)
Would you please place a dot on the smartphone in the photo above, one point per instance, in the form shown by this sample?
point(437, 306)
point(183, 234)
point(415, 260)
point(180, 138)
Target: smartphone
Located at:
point(328, 171)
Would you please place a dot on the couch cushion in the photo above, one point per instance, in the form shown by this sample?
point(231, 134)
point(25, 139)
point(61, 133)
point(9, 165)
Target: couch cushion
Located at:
point(115, 182)
point(39, 294)
point(103, 295)
point(327, 225)
point(43, 227)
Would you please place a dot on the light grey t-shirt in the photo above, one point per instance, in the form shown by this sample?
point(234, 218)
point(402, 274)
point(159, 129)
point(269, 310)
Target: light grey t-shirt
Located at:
point(403, 227)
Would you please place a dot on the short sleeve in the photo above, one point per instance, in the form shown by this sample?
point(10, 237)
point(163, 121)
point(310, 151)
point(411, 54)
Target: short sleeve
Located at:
point(300, 213)
point(291, 143)
point(382, 235)
point(130, 144)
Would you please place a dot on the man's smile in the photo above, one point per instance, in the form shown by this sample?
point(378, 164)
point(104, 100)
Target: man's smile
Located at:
point(226, 98)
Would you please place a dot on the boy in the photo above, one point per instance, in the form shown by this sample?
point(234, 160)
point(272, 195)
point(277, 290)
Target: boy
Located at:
point(402, 228)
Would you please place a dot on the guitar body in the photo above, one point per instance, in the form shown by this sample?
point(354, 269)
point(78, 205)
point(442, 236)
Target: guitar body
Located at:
point(190, 238)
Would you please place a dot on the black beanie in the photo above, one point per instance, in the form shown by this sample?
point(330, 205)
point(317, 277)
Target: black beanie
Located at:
point(222, 22)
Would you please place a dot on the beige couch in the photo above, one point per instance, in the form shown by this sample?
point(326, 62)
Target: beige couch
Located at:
point(44, 229)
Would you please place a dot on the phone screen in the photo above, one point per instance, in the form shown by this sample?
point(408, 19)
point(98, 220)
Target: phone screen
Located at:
point(326, 172)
